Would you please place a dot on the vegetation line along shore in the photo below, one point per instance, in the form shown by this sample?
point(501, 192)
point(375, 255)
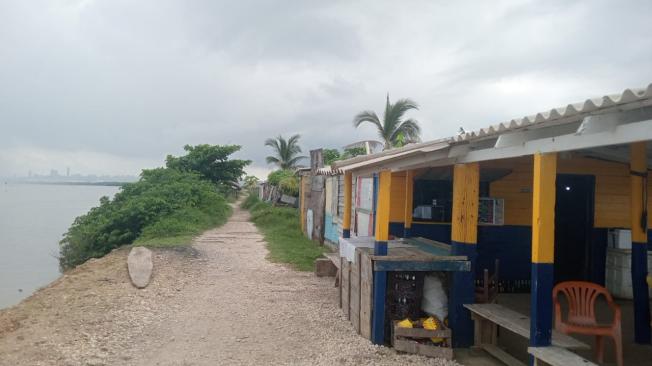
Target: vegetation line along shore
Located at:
point(166, 207)
point(285, 241)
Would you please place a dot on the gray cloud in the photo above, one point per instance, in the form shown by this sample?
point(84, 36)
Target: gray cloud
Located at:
point(117, 85)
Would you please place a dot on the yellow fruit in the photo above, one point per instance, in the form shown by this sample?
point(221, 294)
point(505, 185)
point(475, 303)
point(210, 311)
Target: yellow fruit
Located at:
point(432, 324)
point(405, 323)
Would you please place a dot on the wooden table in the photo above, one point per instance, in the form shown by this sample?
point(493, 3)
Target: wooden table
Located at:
point(488, 317)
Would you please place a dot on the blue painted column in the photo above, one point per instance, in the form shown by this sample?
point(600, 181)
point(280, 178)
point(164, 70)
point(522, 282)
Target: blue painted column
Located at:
point(462, 292)
point(348, 196)
point(409, 203)
point(374, 205)
point(541, 304)
point(638, 179)
point(381, 232)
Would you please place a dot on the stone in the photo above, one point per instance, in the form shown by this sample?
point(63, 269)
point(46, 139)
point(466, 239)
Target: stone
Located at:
point(324, 267)
point(139, 263)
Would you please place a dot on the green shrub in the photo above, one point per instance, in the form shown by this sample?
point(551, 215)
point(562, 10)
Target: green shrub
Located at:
point(275, 177)
point(163, 203)
point(250, 201)
point(285, 180)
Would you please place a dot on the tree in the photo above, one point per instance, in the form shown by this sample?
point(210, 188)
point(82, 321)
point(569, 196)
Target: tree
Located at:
point(211, 162)
point(286, 152)
point(393, 130)
point(352, 152)
point(250, 182)
point(330, 155)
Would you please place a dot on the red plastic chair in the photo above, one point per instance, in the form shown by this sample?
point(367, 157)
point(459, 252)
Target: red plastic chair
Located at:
point(581, 297)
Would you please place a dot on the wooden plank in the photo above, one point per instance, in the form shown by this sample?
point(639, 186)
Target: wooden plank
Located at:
point(366, 294)
point(430, 246)
point(557, 356)
point(354, 297)
point(389, 266)
point(421, 258)
point(421, 333)
point(519, 324)
point(414, 347)
point(339, 283)
point(503, 356)
point(485, 331)
point(346, 283)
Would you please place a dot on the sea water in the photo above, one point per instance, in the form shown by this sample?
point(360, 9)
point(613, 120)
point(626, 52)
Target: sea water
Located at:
point(33, 219)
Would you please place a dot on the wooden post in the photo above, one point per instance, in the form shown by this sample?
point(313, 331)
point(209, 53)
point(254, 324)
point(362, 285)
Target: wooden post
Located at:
point(638, 179)
point(543, 248)
point(348, 189)
point(380, 248)
point(302, 198)
point(409, 193)
point(464, 236)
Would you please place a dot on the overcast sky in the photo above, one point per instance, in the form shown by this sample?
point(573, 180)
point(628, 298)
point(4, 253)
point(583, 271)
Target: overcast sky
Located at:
point(113, 86)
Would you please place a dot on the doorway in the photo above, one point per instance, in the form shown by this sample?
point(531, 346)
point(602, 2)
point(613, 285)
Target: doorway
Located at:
point(574, 209)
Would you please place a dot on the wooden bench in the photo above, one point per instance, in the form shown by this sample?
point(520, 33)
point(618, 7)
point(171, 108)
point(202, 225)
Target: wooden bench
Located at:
point(557, 356)
point(487, 319)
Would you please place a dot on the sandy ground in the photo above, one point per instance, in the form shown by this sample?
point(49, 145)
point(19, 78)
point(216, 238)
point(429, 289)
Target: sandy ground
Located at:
point(219, 302)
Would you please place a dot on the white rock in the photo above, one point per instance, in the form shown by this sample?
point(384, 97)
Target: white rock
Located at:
point(139, 263)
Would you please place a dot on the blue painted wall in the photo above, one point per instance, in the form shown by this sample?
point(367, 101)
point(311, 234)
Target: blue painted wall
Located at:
point(511, 244)
point(331, 230)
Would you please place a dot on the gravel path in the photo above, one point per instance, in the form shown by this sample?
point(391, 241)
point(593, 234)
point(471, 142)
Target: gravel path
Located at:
point(217, 303)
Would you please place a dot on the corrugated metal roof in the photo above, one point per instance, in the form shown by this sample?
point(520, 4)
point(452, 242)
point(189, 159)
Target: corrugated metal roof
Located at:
point(570, 112)
point(409, 149)
point(628, 99)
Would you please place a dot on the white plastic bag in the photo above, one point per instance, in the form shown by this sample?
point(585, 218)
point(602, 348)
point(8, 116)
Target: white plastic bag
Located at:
point(435, 300)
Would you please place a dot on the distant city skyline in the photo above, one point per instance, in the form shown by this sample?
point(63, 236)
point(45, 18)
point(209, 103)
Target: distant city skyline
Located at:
point(54, 176)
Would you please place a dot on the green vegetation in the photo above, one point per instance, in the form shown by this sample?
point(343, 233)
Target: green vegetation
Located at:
point(353, 152)
point(393, 130)
point(286, 152)
point(285, 180)
point(250, 182)
point(212, 163)
point(167, 206)
point(333, 155)
point(286, 242)
point(330, 155)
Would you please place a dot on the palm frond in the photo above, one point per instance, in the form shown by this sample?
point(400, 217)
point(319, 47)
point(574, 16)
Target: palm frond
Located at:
point(410, 130)
point(272, 160)
point(366, 116)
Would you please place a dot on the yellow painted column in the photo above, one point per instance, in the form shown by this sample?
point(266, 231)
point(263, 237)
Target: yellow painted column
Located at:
point(464, 236)
point(409, 203)
point(382, 208)
point(543, 248)
point(466, 195)
point(638, 182)
point(348, 192)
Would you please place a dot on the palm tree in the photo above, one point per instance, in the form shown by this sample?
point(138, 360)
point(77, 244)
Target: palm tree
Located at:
point(392, 129)
point(286, 152)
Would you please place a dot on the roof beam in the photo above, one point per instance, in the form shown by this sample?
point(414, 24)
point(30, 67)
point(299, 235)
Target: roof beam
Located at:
point(622, 134)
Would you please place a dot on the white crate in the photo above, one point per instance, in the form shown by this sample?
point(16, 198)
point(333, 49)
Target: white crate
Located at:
point(620, 239)
point(618, 272)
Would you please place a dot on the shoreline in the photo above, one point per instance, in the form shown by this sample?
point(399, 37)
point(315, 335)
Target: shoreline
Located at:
point(101, 184)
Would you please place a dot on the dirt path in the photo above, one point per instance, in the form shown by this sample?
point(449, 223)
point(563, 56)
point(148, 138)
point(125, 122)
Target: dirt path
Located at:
point(219, 303)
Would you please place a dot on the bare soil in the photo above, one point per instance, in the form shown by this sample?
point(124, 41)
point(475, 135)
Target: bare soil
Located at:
point(218, 302)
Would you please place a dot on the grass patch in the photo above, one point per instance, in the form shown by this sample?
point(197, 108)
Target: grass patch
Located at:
point(285, 241)
point(182, 226)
